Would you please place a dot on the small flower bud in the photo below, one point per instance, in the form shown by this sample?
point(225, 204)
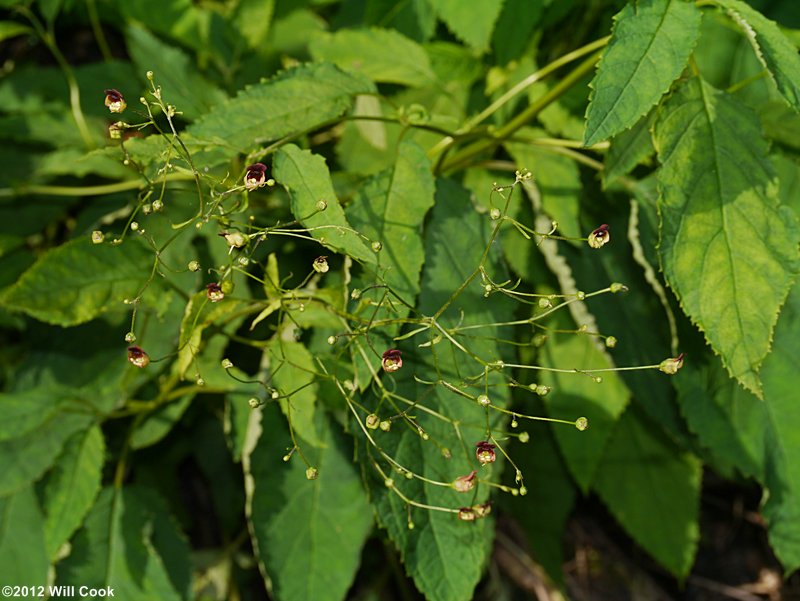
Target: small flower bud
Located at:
point(495, 214)
point(200, 381)
point(98, 237)
point(130, 337)
point(538, 340)
point(671, 366)
point(465, 483)
point(227, 364)
point(149, 75)
point(581, 423)
point(253, 402)
point(312, 473)
point(385, 425)
point(523, 491)
point(482, 510)
point(524, 437)
point(542, 390)
point(157, 205)
point(331, 340)
point(355, 294)
point(320, 265)
point(484, 452)
point(256, 176)
point(115, 130)
point(321, 205)
point(235, 239)
point(372, 421)
point(194, 266)
point(134, 226)
point(599, 237)
point(377, 246)
point(392, 360)
point(545, 303)
point(617, 287)
point(227, 287)
point(115, 101)
point(466, 514)
point(138, 357)
point(214, 292)
point(484, 401)
point(611, 342)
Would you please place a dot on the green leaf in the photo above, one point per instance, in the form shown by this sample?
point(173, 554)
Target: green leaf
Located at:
point(650, 44)
point(474, 24)
point(577, 395)
point(181, 83)
point(775, 51)
point(73, 486)
point(158, 424)
point(513, 32)
point(23, 558)
point(728, 249)
point(652, 487)
point(293, 374)
point(779, 375)
point(25, 411)
point(308, 533)
point(79, 280)
point(123, 544)
point(253, 21)
point(26, 458)
point(305, 176)
point(294, 101)
point(382, 55)
point(11, 29)
point(444, 555)
point(629, 148)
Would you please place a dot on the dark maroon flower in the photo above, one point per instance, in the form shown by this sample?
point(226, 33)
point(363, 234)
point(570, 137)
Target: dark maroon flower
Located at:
point(256, 176)
point(599, 237)
point(214, 292)
point(484, 451)
point(115, 101)
point(138, 357)
point(392, 360)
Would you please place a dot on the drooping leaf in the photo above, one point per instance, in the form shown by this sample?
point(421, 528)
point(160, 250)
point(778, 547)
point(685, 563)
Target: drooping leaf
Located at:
point(779, 375)
point(474, 24)
point(652, 487)
point(124, 545)
point(728, 249)
point(382, 55)
point(181, 83)
point(79, 280)
point(577, 395)
point(775, 51)
point(294, 101)
point(73, 486)
point(305, 175)
point(21, 521)
point(650, 44)
point(444, 555)
point(308, 533)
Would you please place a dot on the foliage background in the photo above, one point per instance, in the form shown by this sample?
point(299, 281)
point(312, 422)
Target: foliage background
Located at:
point(679, 131)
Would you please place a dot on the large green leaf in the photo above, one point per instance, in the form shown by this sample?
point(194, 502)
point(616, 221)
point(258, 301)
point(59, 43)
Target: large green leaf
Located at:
point(652, 487)
point(25, 411)
point(124, 545)
point(650, 45)
point(309, 533)
point(305, 175)
point(780, 374)
point(728, 249)
point(775, 51)
point(628, 149)
point(294, 101)
point(181, 83)
point(79, 280)
point(472, 24)
point(444, 556)
point(382, 55)
point(23, 558)
point(73, 486)
point(576, 395)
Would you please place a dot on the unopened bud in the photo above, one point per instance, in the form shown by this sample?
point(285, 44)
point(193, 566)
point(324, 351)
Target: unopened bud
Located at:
point(617, 287)
point(227, 364)
point(385, 425)
point(581, 423)
point(524, 437)
point(312, 473)
point(331, 340)
point(542, 390)
point(484, 401)
point(98, 237)
point(321, 205)
point(194, 266)
point(495, 214)
point(611, 342)
point(157, 205)
point(130, 337)
point(377, 246)
point(253, 402)
point(671, 366)
point(372, 421)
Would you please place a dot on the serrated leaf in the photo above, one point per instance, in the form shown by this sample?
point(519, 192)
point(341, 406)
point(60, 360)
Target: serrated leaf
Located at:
point(443, 555)
point(293, 101)
point(779, 375)
point(23, 558)
point(382, 55)
point(474, 24)
point(775, 51)
point(122, 545)
point(73, 486)
point(305, 176)
point(309, 533)
point(156, 425)
point(577, 395)
point(181, 83)
point(652, 487)
point(650, 44)
point(79, 281)
point(728, 249)
point(26, 458)
point(628, 149)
